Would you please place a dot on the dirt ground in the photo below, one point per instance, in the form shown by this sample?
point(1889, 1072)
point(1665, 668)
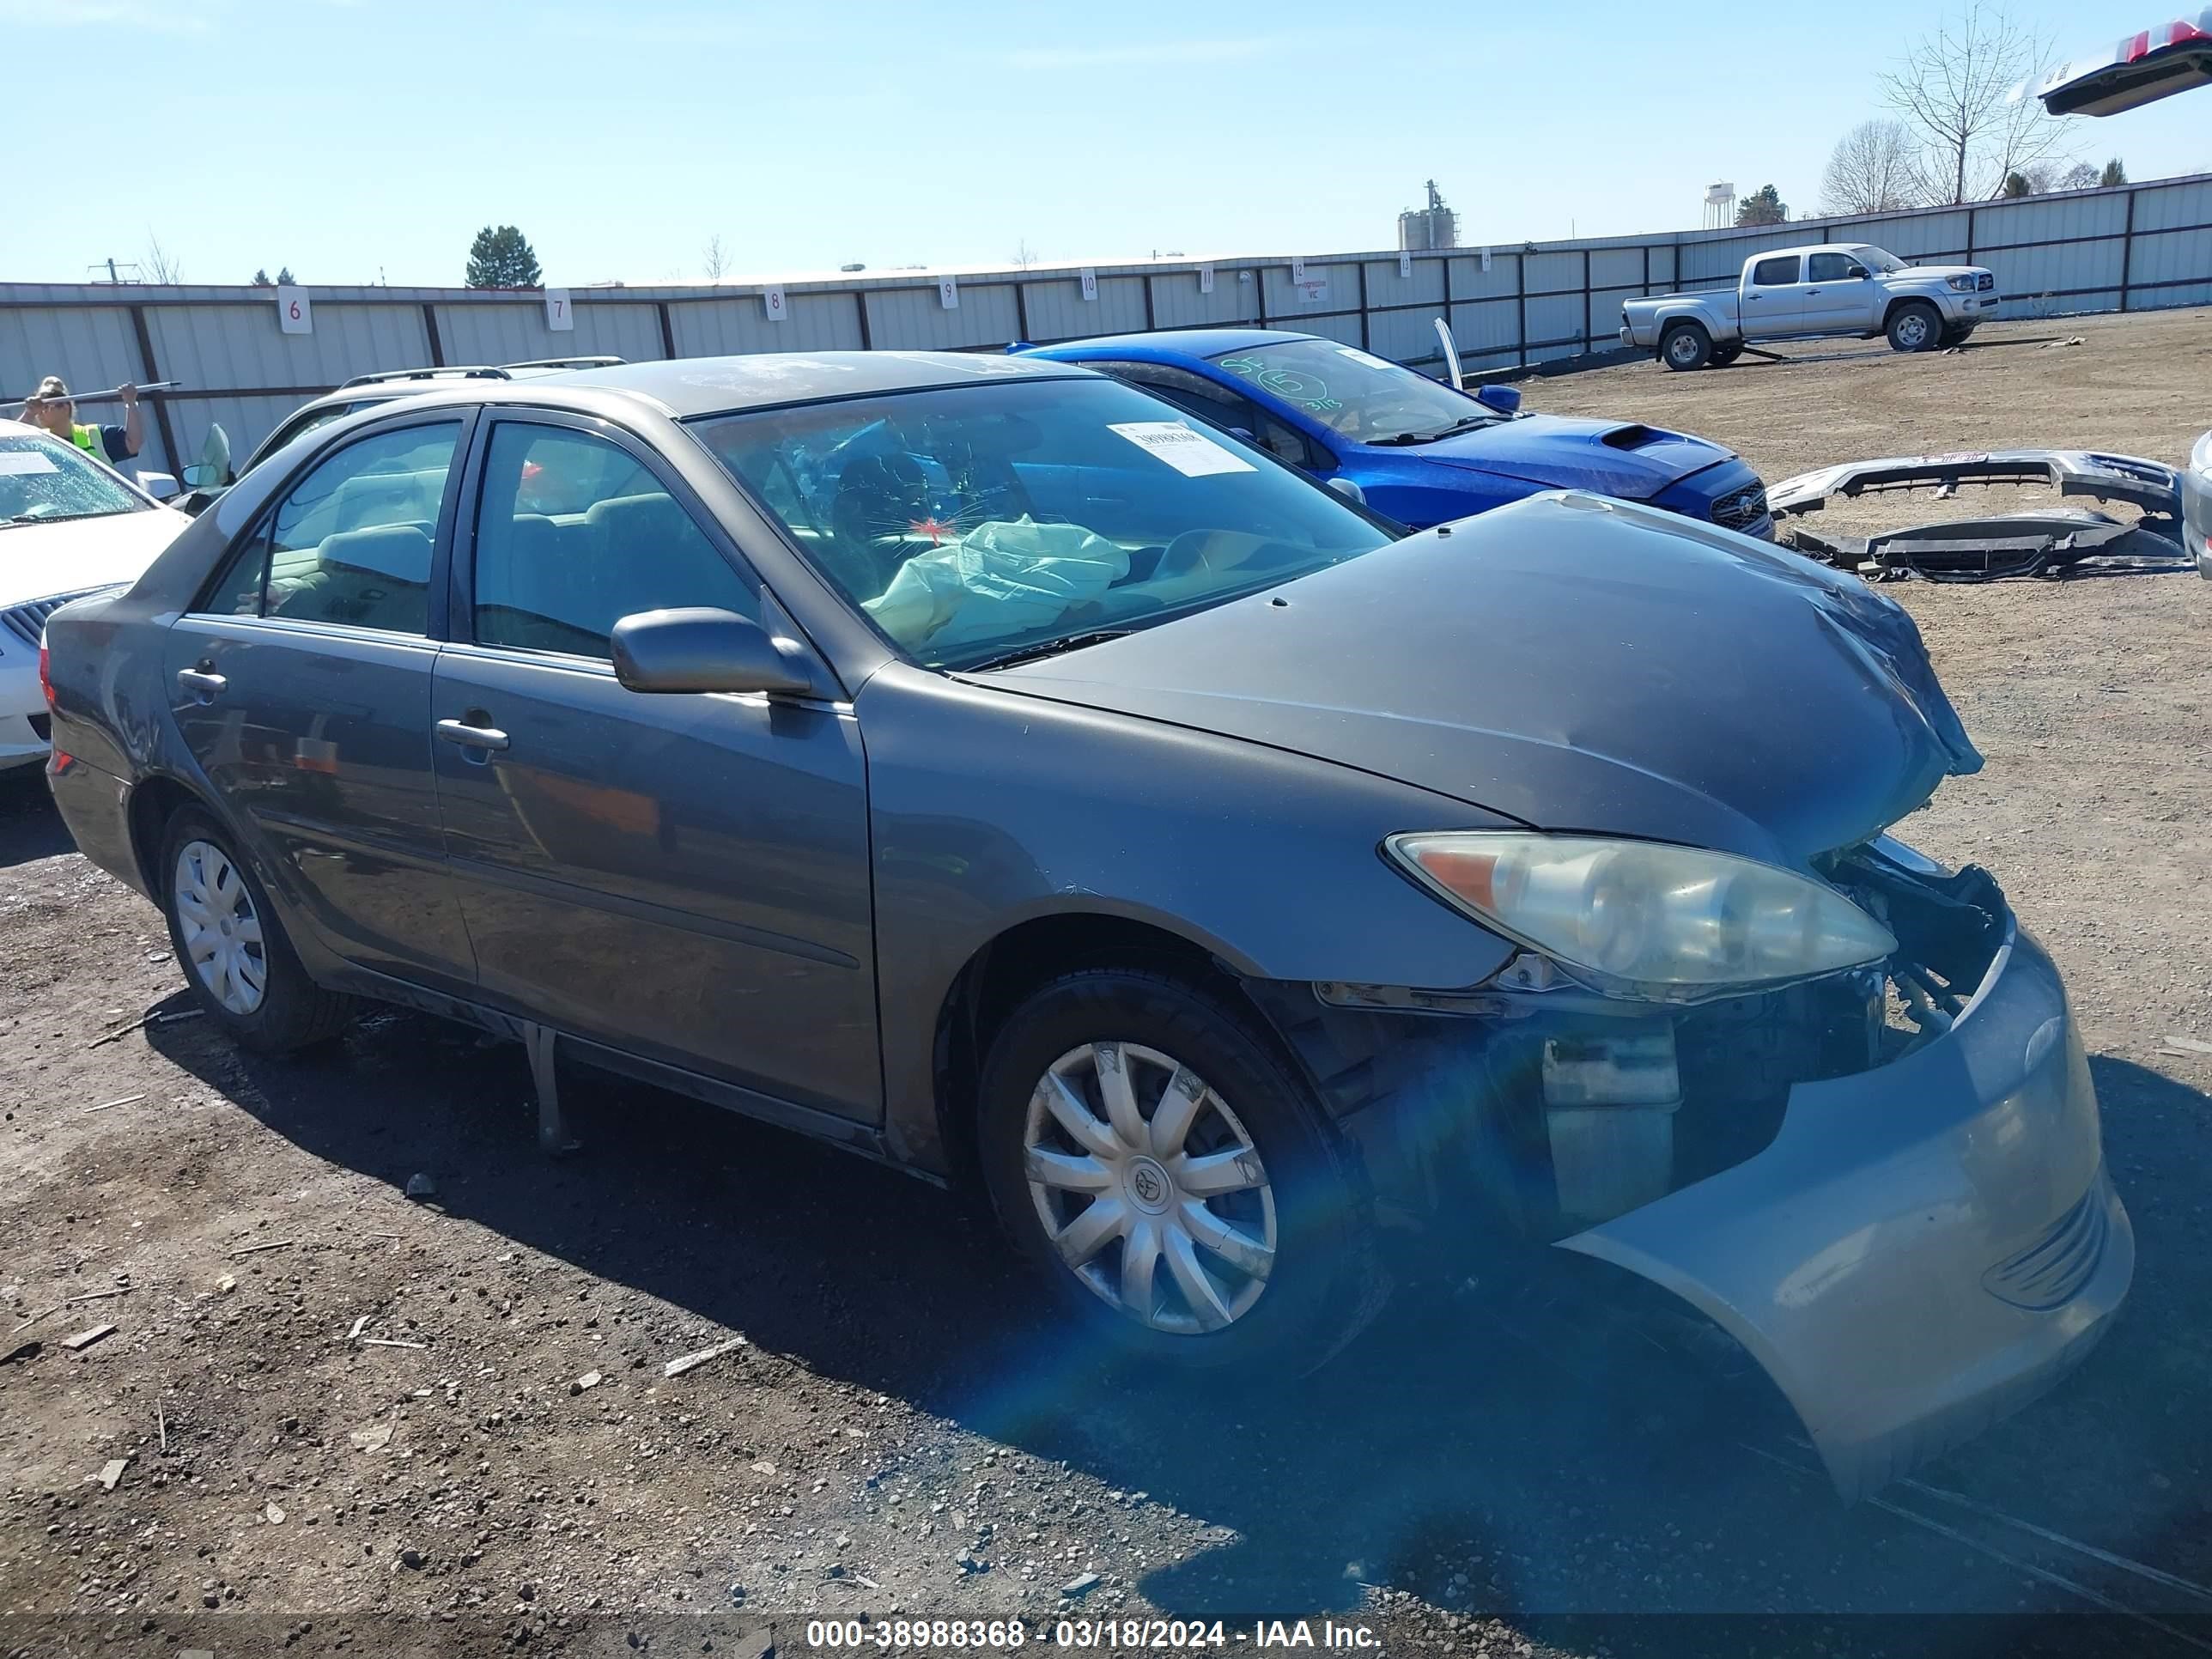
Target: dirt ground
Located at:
point(346, 1420)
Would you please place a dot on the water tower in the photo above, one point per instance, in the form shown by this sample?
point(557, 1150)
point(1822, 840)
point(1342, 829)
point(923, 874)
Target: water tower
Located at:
point(1720, 205)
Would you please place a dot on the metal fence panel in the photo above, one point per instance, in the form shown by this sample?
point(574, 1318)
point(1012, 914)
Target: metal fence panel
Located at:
point(2065, 270)
point(1426, 286)
point(2170, 256)
point(913, 319)
point(729, 327)
point(1057, 310)
point(1469, 281)
point(1178, 303)
point(2139, 246)
point(2170, 206)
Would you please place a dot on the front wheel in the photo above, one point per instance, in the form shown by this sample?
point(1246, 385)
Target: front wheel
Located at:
point(1686, 346)
point(232, 947)
point(1914, 328)
point(1172, 1177)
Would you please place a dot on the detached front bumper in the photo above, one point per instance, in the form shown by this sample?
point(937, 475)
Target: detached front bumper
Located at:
point(1924, 1248)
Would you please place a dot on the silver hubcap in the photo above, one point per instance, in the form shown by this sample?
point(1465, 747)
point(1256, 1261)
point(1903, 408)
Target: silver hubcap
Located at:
point(222, 930)
point(1685, 349)
point(1912, 331)
point(1150, 1187)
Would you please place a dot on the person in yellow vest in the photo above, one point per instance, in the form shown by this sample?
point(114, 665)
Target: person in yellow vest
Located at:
point(49, 408)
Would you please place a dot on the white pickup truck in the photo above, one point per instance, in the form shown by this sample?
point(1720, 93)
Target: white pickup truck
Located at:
point(1802, 293)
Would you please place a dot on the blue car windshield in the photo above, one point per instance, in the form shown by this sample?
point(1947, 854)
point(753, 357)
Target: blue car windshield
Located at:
point(1355, 395)
point(978, 522)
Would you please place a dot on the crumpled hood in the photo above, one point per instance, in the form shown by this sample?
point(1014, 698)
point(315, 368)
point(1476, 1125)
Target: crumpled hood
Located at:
point(38, 560)
point(1566, 452)
point(1574, 663)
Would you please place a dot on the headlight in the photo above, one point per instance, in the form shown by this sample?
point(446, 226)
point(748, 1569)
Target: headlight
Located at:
point(1959, 284)
point(1637, 919)
point(2200, 456)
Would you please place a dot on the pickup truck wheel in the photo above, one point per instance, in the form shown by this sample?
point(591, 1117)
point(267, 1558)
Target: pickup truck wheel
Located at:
point(1915, 327)
point(1172, 1178)
point(1724, 356)
point(1686, 346)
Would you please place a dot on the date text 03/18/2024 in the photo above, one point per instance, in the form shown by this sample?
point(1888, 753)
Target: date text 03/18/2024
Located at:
point(933, 1635)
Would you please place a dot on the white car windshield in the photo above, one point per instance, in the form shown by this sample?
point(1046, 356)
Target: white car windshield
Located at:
point(43, 480)
point(1875, 259)
point(974, 524)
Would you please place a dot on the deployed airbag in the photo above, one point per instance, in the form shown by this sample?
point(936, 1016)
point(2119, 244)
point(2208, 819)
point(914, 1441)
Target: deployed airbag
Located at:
point(999, 580)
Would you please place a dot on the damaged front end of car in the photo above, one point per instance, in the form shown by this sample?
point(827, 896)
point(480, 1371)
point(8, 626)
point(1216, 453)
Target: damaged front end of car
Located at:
point(1884, 1182)
point(2048, 542)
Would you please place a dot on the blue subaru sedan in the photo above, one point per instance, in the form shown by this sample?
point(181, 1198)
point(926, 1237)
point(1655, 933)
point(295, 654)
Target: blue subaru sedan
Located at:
point(1421, 451)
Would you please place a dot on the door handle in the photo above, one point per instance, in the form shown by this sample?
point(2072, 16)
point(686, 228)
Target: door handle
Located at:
point(471, 737)
point(205, 687)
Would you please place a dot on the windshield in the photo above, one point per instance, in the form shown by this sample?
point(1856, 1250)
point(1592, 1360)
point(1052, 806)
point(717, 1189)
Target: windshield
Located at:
point(42, 480)
point(1358, 397)
point(975, 522)
point(1875, 259)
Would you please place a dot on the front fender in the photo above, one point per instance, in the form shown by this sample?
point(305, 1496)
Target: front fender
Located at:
point(989, 808)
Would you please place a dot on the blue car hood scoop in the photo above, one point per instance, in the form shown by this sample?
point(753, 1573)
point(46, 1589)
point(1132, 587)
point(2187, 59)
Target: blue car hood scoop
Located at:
point(1613, 458)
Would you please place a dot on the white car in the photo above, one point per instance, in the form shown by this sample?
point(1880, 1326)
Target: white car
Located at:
point(69, 526)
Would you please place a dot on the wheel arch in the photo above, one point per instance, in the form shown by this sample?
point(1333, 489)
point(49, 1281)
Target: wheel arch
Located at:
point(1029, 953)
point(1899, 301)
point(153, 801)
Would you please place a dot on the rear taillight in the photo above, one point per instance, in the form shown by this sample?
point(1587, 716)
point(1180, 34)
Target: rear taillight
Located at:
point(46, 680)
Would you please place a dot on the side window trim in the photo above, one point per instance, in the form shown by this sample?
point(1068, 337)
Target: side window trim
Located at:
point(259, 527)
point(458, 597)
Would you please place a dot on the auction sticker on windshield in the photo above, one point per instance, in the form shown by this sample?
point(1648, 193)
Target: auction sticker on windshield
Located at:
point(1191, 454)
point(23, 463)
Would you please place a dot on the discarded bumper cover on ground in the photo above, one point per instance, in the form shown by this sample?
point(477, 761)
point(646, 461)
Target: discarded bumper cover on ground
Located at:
point(2041, 542)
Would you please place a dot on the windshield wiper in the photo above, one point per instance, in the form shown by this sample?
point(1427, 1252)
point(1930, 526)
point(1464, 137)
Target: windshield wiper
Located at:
point(1044, 648)
point(1459, 425)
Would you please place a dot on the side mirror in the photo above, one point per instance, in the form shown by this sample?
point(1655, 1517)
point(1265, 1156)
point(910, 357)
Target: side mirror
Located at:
point(212, 469)
point(1346, 488)
point(699, 649)
point(161, 486)
point(1500, 400)
point(1858, 273)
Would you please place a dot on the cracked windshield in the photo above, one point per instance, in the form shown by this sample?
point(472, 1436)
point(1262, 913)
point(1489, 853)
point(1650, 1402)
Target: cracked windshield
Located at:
point(974, 522)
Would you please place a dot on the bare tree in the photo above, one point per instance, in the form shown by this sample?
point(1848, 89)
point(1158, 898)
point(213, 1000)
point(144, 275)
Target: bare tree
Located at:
point(714, 258)
point(2083, 175)
point(159, 264)
point(1956, 89)
point(1024, 255)
point(1875, 168)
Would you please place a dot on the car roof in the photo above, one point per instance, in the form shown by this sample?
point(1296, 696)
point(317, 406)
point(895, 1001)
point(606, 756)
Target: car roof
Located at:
point(1167, 345)
point(685, 386)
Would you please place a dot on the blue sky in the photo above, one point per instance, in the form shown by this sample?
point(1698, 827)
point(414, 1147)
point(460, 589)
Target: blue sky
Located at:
point(347, 138)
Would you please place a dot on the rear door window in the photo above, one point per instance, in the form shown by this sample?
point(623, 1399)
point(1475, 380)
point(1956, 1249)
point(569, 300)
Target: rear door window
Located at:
point(351, 542)
point(1775, 273)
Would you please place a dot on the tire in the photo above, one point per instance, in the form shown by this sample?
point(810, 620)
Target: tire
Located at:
point(1914, 326)
point(1724, 356)
point(205, 883)
point(1275, 1173)
point(1686, 346)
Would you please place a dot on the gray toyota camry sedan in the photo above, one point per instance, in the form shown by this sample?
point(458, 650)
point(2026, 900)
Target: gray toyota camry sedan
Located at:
point(962, 760)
